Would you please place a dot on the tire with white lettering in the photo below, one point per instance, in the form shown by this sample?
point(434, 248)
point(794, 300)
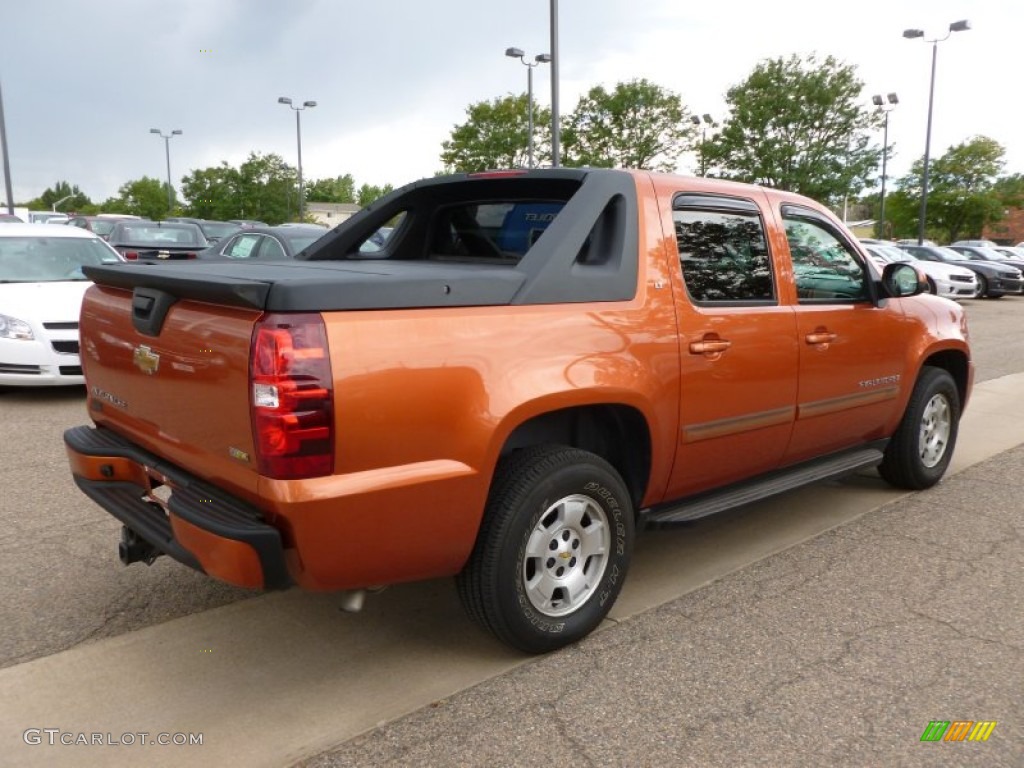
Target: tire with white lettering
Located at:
point(552, 551)
point(921, 448)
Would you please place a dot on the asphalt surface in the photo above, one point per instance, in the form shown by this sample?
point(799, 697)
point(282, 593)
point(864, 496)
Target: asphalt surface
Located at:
point(837, 651)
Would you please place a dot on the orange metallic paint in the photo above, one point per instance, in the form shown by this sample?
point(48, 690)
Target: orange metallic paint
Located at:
point(123, 470)
point(232, 561)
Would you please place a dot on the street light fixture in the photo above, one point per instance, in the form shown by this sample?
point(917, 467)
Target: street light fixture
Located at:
point(167, 149)
point(911, 34)
point(556, 120)
point(708, 120)
point(6, 159)
point(879, 102)
point(298, 137)
point(540, 58)
point(62, 200)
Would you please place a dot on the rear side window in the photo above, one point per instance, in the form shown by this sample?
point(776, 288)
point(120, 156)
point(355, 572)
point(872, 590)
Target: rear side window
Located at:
point(723, 254)
point(499, 232)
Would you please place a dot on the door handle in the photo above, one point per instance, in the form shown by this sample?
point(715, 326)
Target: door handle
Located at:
point(709, 346)
point(821, 336)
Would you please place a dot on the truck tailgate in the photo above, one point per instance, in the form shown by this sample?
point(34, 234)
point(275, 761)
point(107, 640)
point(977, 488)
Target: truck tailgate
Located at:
point(182, 393)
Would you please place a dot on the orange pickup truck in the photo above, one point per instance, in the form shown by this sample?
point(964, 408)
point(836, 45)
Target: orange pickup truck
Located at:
point(503, 377)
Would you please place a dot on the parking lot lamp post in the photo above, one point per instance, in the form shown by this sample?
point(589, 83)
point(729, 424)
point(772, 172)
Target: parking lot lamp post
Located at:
point(556, 120)
point(63, 199)
point(167, 150)
point(6, 160)
point(540, 58)
point(708, 120)
point(910, 34)
point(879, 102)
point(298, 137)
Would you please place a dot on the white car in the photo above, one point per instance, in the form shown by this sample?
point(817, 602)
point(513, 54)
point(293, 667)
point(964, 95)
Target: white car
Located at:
point(947, 280)
point(41, 289)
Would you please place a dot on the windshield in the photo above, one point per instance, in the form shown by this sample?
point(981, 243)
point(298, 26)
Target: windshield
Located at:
point(950, 255)
point(217, 229)
point(101, 227)
point(167, 234)
point(49, 259)
point(896, 254)
point(992, 254)
point(301, 241)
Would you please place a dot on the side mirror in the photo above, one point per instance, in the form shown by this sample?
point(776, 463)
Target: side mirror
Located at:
point(901, 279)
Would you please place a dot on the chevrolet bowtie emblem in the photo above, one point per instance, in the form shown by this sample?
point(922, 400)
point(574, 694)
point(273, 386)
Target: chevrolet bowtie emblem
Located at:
point(146, 360)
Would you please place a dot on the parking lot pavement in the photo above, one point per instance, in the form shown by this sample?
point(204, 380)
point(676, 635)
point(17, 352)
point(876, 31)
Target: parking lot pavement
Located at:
point(839, 651)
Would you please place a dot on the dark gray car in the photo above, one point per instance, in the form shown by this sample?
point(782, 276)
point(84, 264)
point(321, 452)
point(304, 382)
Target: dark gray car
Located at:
point(995, 279)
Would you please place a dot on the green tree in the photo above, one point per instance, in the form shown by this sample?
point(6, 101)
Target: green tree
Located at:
point(964, 192)
point(337, 190)
point(263, 187)
point(211, 192)
point(370, 192)
point(637, 125)
point(143, 197)
point(496, 135)
point(797, 124)
point(267, 189)
point(57, 194)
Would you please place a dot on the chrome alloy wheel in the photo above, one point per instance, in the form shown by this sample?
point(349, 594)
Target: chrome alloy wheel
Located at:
point(566, 555)
point(936, 427)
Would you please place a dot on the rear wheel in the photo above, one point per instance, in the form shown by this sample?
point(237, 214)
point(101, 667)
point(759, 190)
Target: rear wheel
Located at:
point(553, 548)
point(921, 448)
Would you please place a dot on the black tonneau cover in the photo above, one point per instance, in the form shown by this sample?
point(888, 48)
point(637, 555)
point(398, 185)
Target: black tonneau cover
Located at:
point(320, 286)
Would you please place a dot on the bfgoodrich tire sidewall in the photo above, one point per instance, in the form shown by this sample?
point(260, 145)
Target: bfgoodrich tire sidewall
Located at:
point(533, 627)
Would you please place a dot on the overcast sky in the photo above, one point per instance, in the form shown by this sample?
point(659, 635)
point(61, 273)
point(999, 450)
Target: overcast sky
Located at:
point(84, 82)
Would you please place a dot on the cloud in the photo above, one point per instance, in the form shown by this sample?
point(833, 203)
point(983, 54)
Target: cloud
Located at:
point(84, 83)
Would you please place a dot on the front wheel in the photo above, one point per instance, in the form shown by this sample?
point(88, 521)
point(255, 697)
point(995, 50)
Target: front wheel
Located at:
point(921, 449)
point(553, 548)
point(982, 287)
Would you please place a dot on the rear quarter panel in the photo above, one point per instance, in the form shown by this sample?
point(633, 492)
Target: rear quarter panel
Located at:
point(425, 399)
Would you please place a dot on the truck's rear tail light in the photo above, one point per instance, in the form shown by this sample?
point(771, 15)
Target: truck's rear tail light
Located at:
point(292, 397)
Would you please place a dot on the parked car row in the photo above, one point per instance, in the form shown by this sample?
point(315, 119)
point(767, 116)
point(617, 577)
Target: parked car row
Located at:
point(995, 278)
point(944, 279)
point(998, 270)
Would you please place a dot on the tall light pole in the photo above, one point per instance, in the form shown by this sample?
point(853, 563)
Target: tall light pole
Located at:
point(708, 120)
point(62, 200)
point(167, 148)
point(7, 163)
point(298, 137)
point(879, 102)
point(540, 58)
point(910, 34)
point(555, 119)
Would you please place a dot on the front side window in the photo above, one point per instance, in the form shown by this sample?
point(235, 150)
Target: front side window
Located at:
point(824, 266)
point(724, 256)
